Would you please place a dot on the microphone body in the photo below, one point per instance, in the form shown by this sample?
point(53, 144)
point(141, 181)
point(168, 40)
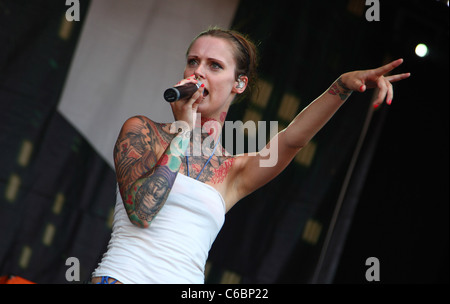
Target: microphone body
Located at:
point(181, 92)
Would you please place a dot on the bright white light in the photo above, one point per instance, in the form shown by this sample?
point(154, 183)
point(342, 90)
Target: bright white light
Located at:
point(421, 50)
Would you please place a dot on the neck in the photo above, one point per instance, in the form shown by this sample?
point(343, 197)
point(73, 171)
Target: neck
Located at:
point(205, 135)
point(207, 127)
point(210, 125)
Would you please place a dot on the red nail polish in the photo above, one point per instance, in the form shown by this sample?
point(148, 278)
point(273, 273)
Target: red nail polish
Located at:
point(361, 88)
point(389, 102)
point(203, 85)
point(375, 106)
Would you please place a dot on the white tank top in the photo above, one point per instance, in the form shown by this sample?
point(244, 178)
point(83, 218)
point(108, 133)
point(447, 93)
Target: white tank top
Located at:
point(175, 247)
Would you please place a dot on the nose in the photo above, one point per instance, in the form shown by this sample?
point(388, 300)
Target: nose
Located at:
point(199, 72)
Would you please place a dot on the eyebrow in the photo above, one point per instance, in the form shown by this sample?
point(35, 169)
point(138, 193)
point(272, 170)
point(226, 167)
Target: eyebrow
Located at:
point(209, 59)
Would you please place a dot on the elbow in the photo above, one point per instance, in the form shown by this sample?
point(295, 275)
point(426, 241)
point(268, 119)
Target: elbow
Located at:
point(135, 209)
point(295, 146)
point(143, 203)
point(137, 218)
point(292, 142)
point(141, 224)
point(138, 222)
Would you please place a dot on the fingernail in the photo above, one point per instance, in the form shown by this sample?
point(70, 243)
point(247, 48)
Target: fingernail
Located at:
point(203, 85)
point(192, 75)
point(375, 106)
point(389, 101)
point(361, 88)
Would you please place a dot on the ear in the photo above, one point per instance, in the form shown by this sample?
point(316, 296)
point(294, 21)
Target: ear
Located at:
point(240, 84)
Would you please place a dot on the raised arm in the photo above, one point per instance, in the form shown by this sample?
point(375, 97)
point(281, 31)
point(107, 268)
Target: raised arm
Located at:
point(308, 122)
point(144, 179)
point(317, 114)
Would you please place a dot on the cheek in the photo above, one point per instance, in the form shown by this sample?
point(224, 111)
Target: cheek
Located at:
point(221, 90)
point(223, 86)
point(186, 73)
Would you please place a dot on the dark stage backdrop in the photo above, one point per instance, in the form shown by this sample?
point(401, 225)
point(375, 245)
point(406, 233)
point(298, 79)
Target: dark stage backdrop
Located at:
point(317, 222)
point(56, 190)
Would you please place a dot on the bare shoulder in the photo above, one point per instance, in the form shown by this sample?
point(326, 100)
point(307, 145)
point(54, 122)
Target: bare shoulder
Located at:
point(146, 130)
point(227, 180)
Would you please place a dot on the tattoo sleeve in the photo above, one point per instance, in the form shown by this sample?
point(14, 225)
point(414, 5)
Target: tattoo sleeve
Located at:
point(145, 184)
point(338, 88)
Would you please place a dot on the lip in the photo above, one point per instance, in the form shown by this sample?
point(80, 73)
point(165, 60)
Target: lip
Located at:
point(201, 98)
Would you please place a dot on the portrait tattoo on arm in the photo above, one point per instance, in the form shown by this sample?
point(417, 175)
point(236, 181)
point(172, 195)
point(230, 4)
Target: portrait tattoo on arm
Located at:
point(338, 88)
point(152, 194)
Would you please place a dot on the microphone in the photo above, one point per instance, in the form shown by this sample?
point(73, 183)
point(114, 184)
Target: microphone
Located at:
point(181, 92)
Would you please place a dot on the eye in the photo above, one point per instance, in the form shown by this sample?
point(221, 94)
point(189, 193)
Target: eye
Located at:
point(192, 62)
point(216, 66)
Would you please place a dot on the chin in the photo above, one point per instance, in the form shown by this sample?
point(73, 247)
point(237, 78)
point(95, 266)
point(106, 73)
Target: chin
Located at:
point(204, 107)
point(200, 101)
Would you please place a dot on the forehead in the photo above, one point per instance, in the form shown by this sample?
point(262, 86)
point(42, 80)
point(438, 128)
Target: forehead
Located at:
point(212, 47)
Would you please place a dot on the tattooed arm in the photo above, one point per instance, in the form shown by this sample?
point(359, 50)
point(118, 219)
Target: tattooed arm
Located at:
point(144, 181)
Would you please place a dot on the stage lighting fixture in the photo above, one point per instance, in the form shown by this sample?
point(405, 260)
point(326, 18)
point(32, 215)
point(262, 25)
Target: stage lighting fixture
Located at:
point(421, 50)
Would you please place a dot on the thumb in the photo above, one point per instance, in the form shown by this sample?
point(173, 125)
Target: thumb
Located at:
point(355, 81)
point(361, 86)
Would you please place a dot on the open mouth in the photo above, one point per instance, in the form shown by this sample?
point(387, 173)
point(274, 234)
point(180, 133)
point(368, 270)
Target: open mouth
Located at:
point(205, 92)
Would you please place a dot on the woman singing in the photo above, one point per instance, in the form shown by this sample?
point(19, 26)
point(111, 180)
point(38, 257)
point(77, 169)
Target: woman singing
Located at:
point(173, 201)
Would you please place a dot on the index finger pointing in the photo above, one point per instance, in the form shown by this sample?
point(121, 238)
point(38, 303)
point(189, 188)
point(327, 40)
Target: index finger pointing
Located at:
point(388, 67)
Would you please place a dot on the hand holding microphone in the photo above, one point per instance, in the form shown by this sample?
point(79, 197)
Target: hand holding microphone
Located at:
point(182, 91)
point(190, 95)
